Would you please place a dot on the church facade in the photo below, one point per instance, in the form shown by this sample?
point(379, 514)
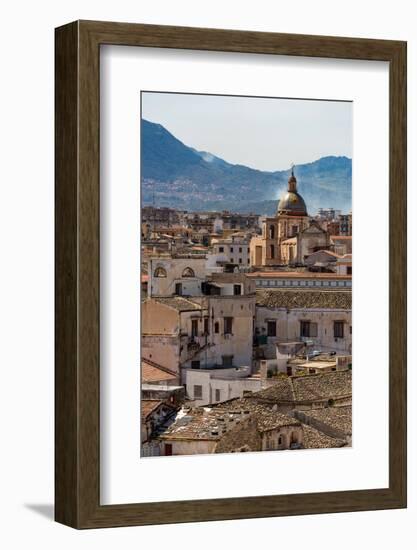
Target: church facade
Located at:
point(290, 236)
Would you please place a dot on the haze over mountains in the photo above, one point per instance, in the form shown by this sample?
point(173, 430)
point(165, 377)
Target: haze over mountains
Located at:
point(178, 176)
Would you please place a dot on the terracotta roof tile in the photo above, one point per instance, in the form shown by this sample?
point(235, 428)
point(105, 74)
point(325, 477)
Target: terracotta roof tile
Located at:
point(335, 417)
point(211, 423)
point(179, 303)
point(151, 373)
point(312, 387)
point(147, 406)
point(309, 299)
point(313, 439)
point(282, 390)
point(322, 386)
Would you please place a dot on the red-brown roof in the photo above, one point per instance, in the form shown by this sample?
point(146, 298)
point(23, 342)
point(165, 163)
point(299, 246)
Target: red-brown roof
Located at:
point(152, 373)
point(147, 406)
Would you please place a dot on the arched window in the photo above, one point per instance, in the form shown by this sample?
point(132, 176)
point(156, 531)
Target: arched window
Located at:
point(188, 272)
point(272, 231)
point(160, 272)
point(272, 251)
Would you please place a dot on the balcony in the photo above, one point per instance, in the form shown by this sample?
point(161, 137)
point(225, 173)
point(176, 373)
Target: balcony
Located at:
point(196, 342)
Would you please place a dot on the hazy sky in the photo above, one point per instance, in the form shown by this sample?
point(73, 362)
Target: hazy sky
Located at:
point(264, 133)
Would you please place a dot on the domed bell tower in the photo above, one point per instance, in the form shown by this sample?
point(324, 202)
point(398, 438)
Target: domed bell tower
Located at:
point(292, 218)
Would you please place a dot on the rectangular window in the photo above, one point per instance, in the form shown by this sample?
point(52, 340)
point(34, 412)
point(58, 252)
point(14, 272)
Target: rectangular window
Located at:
point(231, 249)
point(308, 329)
point(349, 270)
point(240, 260)
point(194, 327)
point(198, 392)
point(338, 329)
point(217, 395)
point(272, 328)
point(178, 289)
point(304, 329)
point(240, 249)
point(206, 325)
point(221, 248)
point(228, 325)
point(237, 290)
point(195, 364)
point(227, 360)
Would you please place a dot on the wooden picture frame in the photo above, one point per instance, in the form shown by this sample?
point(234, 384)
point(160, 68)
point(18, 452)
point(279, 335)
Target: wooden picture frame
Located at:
point(77, 405)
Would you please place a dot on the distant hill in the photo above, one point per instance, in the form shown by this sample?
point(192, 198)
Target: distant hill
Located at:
point(179, 176)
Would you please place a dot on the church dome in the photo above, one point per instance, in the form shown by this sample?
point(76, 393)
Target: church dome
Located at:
point(292, 203)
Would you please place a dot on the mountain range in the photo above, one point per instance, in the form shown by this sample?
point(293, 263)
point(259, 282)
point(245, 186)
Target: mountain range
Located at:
point(176, 175)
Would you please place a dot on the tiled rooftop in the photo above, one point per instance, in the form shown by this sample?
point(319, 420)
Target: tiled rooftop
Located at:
point(196, 424)
point(336, 417)
point(179, 303)
point(294, 299)
point(312, 387)
point(322, 386)
point(212, 423)
point(313, 439)
point(282, 390)
point(266, 417)
point(152, 373)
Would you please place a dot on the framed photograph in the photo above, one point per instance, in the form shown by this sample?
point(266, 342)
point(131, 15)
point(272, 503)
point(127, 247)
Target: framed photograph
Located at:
point(230, 274)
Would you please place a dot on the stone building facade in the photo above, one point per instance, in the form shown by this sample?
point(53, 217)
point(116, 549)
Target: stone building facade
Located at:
point(213, 328)
point(323, 319)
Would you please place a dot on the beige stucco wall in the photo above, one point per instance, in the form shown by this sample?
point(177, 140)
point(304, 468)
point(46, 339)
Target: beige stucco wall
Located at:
point(163, 350)
point(192, 447)
point(239, 343)
point(165, 286)
point(308, 241)
point(237, 252)
point(230, 385)
point(158, 319)
point(160, 340)
point(288, 325)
